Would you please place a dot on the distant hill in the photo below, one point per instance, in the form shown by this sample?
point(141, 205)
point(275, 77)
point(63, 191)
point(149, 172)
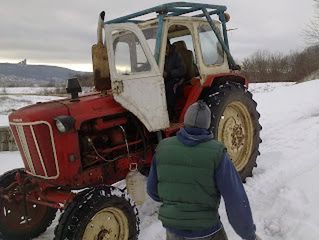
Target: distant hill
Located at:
point(34, 75)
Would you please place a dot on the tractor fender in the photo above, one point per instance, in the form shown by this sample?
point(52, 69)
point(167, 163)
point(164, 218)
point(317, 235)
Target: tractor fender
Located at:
point(224, 77)
point(199, 90)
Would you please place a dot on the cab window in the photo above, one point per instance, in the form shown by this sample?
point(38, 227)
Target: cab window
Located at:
point(178, 34)
point(212, 51)
point(181, 38)
point(129, 55)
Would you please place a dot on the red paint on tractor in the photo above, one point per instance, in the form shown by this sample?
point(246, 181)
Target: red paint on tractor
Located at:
point(197, 88)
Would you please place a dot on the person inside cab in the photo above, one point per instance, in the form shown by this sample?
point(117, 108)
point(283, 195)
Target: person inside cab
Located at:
point(174, 72)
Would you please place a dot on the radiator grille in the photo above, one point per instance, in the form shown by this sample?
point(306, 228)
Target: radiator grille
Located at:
point(36, 144)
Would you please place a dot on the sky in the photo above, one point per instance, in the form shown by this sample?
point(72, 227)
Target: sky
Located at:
point(62, 32)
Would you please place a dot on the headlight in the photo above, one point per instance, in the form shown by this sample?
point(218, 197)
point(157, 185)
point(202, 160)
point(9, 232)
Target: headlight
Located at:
point(64, 123)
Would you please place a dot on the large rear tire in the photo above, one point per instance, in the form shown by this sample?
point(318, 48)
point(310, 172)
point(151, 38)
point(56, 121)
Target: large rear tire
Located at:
point(235, 122)
point(20, 219)
point(100, 213)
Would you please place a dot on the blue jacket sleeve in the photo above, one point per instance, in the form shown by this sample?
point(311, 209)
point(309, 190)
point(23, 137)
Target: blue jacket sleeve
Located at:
point(237, 205)
point(152, 182)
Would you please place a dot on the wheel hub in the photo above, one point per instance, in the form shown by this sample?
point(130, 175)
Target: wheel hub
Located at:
point(107, 224)
point(237, 136)
point(102, 234)
point(235, 130)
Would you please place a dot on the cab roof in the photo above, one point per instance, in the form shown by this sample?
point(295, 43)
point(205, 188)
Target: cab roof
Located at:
point(173, 9)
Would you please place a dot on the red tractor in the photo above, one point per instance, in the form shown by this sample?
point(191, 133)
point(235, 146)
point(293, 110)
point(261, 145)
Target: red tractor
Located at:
point(75, 149)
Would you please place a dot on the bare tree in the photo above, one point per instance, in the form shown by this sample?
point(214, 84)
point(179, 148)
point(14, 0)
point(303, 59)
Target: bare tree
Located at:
point(86, 80)
point(312, 30)
point(264, 66)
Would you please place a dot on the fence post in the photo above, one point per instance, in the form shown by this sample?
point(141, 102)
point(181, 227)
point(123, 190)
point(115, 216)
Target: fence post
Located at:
point(7, 142)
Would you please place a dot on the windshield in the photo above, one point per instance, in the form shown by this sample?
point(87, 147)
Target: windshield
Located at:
point(212, 50)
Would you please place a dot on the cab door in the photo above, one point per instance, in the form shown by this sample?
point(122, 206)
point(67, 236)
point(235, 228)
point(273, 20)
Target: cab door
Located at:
point(137, 83)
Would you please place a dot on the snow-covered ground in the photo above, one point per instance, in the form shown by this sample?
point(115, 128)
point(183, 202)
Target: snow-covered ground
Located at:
point(25, 90)
point(17, 97)
point(268, 86)
point(4, 120)
point(10, 102)
point(35, 90)
point(283, 192)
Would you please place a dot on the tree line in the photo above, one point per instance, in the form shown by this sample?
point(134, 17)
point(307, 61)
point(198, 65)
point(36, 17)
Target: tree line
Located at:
point(264, 66)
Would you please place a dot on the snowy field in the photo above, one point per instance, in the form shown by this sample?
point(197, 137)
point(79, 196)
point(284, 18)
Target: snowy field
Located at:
point(268, 87)
point(33, 90)
point(25, 90)
point(283, 192)
point(13, 101)
point(17, 97)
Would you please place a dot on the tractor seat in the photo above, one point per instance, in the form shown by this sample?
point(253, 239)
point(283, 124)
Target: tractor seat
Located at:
point(188, 59)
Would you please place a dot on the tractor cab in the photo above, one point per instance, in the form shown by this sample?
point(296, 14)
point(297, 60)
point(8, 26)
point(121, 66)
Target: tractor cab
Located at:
point(129, 59)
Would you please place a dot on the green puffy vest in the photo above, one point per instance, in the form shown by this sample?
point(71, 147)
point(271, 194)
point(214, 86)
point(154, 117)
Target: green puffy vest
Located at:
point(186, 184)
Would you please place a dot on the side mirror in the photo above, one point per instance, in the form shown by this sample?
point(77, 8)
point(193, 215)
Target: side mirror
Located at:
point(73, 86)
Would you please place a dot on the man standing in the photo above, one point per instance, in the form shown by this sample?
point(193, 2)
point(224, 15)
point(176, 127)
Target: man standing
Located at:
point(174, 72)
point(189, 174)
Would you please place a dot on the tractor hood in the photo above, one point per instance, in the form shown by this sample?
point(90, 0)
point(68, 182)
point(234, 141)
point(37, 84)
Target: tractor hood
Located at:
point(84, 108)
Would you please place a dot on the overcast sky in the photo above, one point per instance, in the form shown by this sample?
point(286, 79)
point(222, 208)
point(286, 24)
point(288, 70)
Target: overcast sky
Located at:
point(61, 32)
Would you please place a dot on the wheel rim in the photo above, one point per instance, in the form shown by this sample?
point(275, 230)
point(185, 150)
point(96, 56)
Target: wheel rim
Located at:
point(108, 224)
point(235, 130)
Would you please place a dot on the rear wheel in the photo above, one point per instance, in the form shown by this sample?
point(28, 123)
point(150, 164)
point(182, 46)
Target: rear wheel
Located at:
point(235, 122)
point(20, 219)
point(100, 213)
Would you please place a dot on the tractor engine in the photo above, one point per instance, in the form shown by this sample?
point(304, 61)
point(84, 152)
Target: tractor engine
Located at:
point(69, 147)
point(113, 141)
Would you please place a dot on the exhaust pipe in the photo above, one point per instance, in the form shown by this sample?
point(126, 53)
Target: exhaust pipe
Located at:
point(101, 71)
point(100, 27)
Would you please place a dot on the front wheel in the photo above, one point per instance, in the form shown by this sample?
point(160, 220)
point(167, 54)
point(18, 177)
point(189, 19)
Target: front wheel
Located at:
point(20, 219)
point(235, 122)
point(100, 213)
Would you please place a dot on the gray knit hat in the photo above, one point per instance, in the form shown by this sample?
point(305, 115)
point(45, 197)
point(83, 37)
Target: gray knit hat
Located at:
point(198, 115)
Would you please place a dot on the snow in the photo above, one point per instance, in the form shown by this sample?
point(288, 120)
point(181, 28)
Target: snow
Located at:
point(283, 192)
point(17, 97)
point(35, 90)
point(11, 102)
point(4, 120)
point(268, 86)
point(26, 90)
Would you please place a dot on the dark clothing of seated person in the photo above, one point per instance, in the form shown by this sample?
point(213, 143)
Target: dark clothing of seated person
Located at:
point(174, 72)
